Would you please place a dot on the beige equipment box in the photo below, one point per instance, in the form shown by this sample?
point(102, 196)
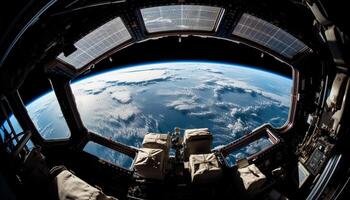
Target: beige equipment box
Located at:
point(196, 141)
point(157, 141)
point(252, 178)
point(149, 163)
point(204, 168)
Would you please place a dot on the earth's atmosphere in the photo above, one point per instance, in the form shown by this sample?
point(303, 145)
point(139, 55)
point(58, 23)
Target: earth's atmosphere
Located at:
point(125, 104)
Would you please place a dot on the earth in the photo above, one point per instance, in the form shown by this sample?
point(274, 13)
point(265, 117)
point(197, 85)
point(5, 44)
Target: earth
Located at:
point(124, 104)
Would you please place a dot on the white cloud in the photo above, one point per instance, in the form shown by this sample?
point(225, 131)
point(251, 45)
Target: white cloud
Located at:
point(226, 105)
point(129, 132)
point(221, 84)
point(127, 76)
point(125, 112)
point(122, 96)
point(204, 114)
point(177, 92)
point(237, 126)
point(90, 87)
point(251, 110)
point(186, 105)
point(137, 77)
point(234, 111)
point(212, 70)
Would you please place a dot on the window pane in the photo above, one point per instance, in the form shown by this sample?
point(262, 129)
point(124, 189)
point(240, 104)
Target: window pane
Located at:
point(14, 123)
point(269, 35)
point(5, 129)
point(249, 150)
point(125, 104)
point(180, 17)
point(47, 116)
point(108, 154)
point(98, 42)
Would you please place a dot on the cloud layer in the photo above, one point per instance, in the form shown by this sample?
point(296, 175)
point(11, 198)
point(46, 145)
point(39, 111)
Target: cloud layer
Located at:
point(126, 104)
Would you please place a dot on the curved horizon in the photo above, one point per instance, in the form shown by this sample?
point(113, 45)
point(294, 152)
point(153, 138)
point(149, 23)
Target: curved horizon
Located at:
point(228, 64)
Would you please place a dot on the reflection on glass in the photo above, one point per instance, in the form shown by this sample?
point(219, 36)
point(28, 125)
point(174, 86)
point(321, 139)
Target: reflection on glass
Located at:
point(248, 150)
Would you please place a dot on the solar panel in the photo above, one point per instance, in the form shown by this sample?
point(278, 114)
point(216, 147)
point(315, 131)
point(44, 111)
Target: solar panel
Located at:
point(98, 42)
point(180, 18)
point(269, 35)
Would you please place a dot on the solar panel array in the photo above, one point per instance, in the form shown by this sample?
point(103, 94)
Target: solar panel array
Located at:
point(180, 17)
point(269, 35)
point(98, 42)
